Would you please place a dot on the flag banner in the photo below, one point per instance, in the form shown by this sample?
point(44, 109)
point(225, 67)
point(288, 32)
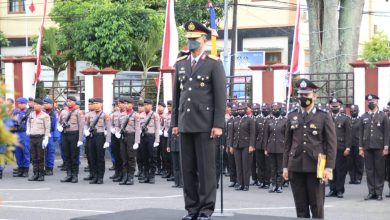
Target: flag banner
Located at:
point(213, 27)
point(30, 7)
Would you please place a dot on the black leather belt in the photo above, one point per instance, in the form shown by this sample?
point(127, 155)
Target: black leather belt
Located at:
point(37, 136)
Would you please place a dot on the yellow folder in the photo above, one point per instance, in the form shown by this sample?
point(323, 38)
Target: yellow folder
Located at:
point(321, 166)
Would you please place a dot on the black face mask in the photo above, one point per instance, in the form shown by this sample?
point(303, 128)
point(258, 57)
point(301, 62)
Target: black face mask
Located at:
point(193, 45)
point(255, 113)
point(276, 113)
point(235, 114)
point(335, 110)
point(354, 114)
point(265, 113)
point(371, 105)
point(305, 102)
point(283, 113)
point(241, 113)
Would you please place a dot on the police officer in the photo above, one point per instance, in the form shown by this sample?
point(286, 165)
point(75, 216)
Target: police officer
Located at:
point(128, 131)
point(72, 127)
point(310, 131)
point(387, 111)
point(22, 154)
point(150, 138)
point(199, 102)
point(164, 155)
point(342, 125)
point(273, 143)
point(262, 161)
point(140, 161)
point(173, 148)
point(229, 141)
point(115, 142)
point(374, 146)
point(38, 128)
point(99, 130)
point(50, 153)
point(356, 162)
point(87, 142)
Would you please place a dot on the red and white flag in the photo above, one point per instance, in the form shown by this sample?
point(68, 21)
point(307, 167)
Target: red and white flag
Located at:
point(30, 8)
point(170, 48)
point(39, 44)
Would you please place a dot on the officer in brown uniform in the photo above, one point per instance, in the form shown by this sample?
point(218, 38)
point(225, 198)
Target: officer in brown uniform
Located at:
point(262, 162)
point(99, 130)
point(355, 161)
point(255, 112)
point(374, 146)
point(199, 103)
point(229, 141)
point(150, 139)
point(72, 127)
point(273, 142)
point(115, 142)
point(140, 161)
point(309, 132)
point(128, 130)
point(387, 111)
point(38, 128)
point(342, 125)
point(243, 132)
point(89, 116)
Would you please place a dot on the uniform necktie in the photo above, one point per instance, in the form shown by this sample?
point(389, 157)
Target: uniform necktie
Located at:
point(305, 114)
point(193, 64)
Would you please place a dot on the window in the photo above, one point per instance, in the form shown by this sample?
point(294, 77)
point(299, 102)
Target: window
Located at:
point(17, 6)
point(273, 57)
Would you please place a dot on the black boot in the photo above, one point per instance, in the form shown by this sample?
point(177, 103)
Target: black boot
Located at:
point(19, 172)
point(115, 175)
point(25, 172)
point(49, 171)
point(41, 176)
point(99, 181)
point(124, 179)
point(151, 179)
point(130, 180)
point(89, 177)
point(15, 170)
point(34, 177)
point(74, 178)
point(118, 178)
point(68, 178)
point(93, 180)
point(1, 174)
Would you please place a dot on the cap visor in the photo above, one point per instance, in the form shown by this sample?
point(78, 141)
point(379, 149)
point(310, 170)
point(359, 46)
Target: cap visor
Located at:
point(194, 34)
point(305, 91)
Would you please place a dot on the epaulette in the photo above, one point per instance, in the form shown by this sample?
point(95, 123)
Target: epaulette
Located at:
point(181, 58)
point(322, 110)
point(213, 57)
point(293, 110)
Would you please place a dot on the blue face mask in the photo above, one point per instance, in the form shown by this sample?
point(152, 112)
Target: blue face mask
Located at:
point(193, 45)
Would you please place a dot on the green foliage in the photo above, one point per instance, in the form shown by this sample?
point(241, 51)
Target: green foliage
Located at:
point(186, 10)
point(377, 48)
point(3, 40)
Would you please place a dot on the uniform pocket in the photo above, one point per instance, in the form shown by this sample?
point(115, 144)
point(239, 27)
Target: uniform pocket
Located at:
point(205, 107)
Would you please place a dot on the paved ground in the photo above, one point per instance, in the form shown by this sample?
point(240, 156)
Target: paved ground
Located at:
point(20, 199)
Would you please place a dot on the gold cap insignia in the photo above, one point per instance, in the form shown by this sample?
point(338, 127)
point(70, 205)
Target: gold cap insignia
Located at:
point(191, 26)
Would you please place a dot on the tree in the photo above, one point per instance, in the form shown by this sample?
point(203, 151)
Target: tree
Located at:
point(334, 27)
point(3, 40)
point(377, 48)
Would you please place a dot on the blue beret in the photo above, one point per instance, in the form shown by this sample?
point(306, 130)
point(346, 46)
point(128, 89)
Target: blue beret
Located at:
point(78, 102)
point(48, 100)
point(22, 100)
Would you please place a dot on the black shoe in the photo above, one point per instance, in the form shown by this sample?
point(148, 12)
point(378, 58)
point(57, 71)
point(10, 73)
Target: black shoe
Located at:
point(25, 172)
point(238, 187)
point(358, 181)
point(93, 180)
point(190, 216)
point(232, 184)
point(130, 180)
point(388, 195)
point(74, 178)
point(352, 182)
point(118, 178)
point(176, 186)
point(254, 183)
point(170, 179)
point(260, 185)
point(279, 189)
point(272, 190)
point(331, 194)
point(152, 180)
point(60, 166)
point(370, 197)
point(114, 176)
point(111, 168)
point(246, 188)
point(49, 172)
point(88, 178)
point(124, 179)
point(138, 174)
point(286, 184)
point(34, 177)
point(165, 175)
point(99, 181)
point(379, 198)
point(158, 172)
point(19, 172)
point(203, 216)
point(265, 186)
point(340, 195)
point(15, 170)
point(146, 180)
point(1, 174)
point(67, 179)
point(41, 177)
point(86, 169)
point(63, 168)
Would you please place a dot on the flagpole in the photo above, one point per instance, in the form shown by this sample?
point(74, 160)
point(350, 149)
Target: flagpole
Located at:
point(26, 35)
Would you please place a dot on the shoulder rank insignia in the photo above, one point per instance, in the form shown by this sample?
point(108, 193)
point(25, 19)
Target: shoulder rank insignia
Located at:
point(181, 58)
point(213, 57)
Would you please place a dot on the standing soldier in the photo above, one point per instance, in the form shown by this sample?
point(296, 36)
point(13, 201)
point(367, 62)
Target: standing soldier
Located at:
point(229, 142)
point(50, 153)
point(173, 148)
point(263, 165)
point(199, 102)
point(22, 154)
point(310, 131)
point(99, 129)
point(274, 140)
point(356, 162)
point(38, 128)
point(165, 159)
point(128, 131)
point(150, 138)
point(374, 146)
point(255, 177)
point(90, 115)
point(115, 142)
point(140, 161)
point(71, 126)
point(167, 155)
point(342, 125)
point(243, 146)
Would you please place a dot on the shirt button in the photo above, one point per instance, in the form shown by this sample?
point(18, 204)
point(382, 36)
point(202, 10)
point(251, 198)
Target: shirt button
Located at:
point(304, 142)
point(189, 89)
point(188, 110)
point(304, 151)
point(189, 99)
point(207, 108)
point(304, 126)
point(304, 135)
point(191, 79)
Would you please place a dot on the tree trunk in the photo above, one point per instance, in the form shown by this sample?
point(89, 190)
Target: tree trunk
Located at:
point(144, 83)
point(314, 9)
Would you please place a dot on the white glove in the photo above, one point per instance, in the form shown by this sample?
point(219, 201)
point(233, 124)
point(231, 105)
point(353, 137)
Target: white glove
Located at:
point(105, 132)
point(106, 145)
point(135, 146)
point(60, 128)
point(86, 133)
point(165, 133)
point(28, 132)
point(113, 130)
point(156, 144)
point(161, 132)
point(45, 142)
point(118, 135)
point(79, 143)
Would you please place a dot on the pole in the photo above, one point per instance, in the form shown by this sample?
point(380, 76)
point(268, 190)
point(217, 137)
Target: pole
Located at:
point(158, 89)
point(233, 49)
point(26, 35)
point(221, 171)
point(225, 37)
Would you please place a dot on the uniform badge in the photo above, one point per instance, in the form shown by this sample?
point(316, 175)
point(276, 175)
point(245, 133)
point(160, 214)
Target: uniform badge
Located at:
point(202, 84)
point(313, 126)
point(303, 84)
point(308, 102)
point(314, 132)
point(191, 26)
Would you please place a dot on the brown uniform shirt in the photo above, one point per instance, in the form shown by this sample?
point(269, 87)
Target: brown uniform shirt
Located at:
point(76, 121)
point(133, 125)
point(103, 124)
point(39, 124)
point(153, 126)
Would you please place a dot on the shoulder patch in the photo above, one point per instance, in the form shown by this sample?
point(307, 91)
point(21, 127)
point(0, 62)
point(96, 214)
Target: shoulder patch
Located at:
point(293, 110)
point(322, 110)
point(181, 58)
point(213, 57)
